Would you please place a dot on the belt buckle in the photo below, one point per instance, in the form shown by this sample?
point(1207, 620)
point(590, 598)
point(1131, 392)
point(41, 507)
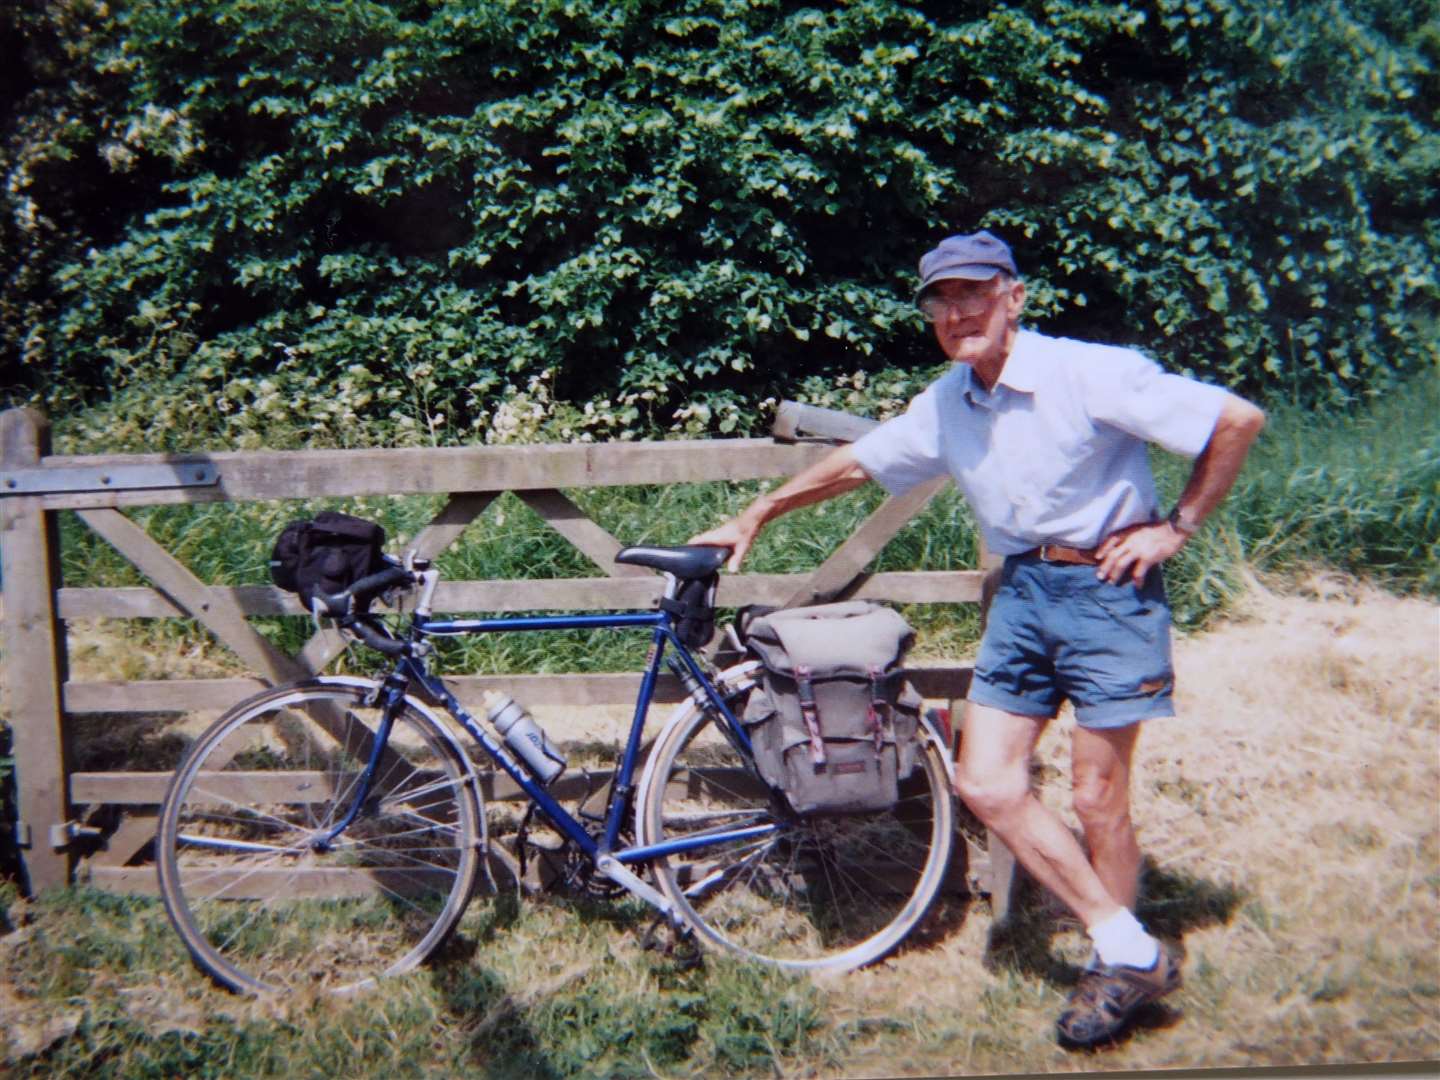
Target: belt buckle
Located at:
point(1045, 553)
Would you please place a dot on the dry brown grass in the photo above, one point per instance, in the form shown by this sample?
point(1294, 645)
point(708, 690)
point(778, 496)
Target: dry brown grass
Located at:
point(1291, 815)
point(1291, 819)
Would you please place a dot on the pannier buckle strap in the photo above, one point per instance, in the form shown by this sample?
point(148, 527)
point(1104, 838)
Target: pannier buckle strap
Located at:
point(878, 708)
point(805, 691)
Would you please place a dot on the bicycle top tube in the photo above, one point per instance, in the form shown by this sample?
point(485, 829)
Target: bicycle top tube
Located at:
point(430, 627)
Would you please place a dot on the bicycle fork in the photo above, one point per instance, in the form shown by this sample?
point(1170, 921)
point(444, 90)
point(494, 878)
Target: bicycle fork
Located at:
point(392, 695)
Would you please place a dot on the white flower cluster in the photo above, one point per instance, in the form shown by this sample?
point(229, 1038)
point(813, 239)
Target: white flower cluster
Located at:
point(156, 130)
point(521, 417)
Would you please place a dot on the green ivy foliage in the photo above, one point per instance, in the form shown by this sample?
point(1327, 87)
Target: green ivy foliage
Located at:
point(272, 221)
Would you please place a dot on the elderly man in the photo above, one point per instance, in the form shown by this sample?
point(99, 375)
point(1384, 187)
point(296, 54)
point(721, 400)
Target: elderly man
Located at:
point(1046, 437)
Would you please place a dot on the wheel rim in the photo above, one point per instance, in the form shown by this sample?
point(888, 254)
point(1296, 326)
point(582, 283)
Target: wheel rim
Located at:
point(818, 893)
point(262, 904)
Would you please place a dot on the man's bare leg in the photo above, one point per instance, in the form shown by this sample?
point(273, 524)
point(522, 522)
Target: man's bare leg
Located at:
point(1100, 770)
point(992, 776)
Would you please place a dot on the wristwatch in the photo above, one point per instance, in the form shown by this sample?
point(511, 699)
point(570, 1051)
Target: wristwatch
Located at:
point(1183, 523)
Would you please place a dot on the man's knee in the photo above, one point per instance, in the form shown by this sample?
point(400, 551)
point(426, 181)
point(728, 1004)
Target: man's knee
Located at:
point(992, 794)
point(992, 773)
point(1101, 800)
point(1100, 777)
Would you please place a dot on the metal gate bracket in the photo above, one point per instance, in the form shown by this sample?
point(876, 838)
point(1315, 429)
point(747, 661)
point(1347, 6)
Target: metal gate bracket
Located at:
point(54, 479)
point(61, 835)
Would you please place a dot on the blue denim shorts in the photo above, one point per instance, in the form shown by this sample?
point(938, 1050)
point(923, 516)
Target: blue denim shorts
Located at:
point(1056, 631)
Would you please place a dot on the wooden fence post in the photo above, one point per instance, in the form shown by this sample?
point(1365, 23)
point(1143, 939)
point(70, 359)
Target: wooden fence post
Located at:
point(34, 639)
point(1004, 874)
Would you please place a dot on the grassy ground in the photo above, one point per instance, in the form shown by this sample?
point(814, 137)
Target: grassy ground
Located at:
point(1288, 817)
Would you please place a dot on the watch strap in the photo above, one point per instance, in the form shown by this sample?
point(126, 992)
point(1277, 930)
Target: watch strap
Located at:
point(1182, 522)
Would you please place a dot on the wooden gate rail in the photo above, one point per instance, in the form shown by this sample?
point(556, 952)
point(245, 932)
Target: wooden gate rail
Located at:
point(35, 485)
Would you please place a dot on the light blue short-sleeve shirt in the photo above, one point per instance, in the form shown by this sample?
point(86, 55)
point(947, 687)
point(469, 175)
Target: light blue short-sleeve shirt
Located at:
point(1055, 452)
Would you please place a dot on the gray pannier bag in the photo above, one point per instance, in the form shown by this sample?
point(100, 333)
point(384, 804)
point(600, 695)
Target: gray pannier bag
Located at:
point(834, 725)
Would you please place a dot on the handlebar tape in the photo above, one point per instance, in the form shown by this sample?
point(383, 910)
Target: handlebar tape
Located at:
point(375, 639)
point(371, 586)
point(356, 599)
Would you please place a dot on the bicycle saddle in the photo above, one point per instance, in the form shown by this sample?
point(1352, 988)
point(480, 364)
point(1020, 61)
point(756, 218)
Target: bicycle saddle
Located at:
point(688, 561)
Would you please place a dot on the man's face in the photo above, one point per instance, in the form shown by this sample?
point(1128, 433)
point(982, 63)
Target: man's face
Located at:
point(972, 319)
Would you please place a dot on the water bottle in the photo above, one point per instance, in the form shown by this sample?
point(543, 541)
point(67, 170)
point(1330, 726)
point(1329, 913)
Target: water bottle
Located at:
point(522, 735)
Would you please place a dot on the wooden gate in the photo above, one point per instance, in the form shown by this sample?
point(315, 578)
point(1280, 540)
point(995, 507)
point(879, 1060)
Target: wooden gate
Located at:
point(35, 485)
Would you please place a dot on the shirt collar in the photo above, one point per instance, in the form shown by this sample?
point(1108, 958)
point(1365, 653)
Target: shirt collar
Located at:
point(1022, 371)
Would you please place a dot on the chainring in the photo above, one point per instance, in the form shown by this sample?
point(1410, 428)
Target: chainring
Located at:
point(550, 861)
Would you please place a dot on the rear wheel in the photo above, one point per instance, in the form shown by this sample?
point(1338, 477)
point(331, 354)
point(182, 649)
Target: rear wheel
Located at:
point(262, 900)
point(824, 892)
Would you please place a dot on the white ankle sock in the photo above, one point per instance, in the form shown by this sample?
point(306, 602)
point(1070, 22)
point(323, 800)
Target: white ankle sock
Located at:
point(1120, 939)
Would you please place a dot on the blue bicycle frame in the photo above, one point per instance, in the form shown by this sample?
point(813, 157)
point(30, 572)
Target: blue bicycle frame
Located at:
point(412, 670)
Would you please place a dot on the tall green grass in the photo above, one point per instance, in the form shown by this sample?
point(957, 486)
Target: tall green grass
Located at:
point(1360, 492)
point(1356, 491)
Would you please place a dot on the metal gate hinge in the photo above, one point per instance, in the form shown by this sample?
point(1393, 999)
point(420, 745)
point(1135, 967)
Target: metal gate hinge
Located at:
point(61, 835)
point(56, 479)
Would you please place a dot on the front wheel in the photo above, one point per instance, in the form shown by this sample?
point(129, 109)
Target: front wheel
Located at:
point(817, 893)
point(264, 899)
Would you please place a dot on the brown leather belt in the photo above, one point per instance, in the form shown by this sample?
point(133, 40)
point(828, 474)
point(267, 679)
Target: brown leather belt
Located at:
point(1059, 553)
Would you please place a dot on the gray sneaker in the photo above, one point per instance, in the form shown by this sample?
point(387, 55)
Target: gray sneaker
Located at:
point(1107, 998)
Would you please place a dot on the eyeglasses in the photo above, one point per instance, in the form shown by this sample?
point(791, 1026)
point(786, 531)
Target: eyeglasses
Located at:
point(939, 308)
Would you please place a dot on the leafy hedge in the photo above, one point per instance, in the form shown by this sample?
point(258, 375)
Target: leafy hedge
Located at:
point(246, 221)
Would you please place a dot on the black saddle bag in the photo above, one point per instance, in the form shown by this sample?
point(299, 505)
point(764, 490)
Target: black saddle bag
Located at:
point(326, 554)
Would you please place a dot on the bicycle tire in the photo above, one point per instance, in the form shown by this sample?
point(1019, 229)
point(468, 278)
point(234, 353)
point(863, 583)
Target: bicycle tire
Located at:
point(820, 893)
point(259, 907)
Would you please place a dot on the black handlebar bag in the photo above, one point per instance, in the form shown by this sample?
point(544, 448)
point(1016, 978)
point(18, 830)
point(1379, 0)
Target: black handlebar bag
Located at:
point(834, 724)
point(326, 554)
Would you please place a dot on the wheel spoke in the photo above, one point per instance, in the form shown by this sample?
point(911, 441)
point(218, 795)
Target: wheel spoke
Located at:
point(223, 844)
